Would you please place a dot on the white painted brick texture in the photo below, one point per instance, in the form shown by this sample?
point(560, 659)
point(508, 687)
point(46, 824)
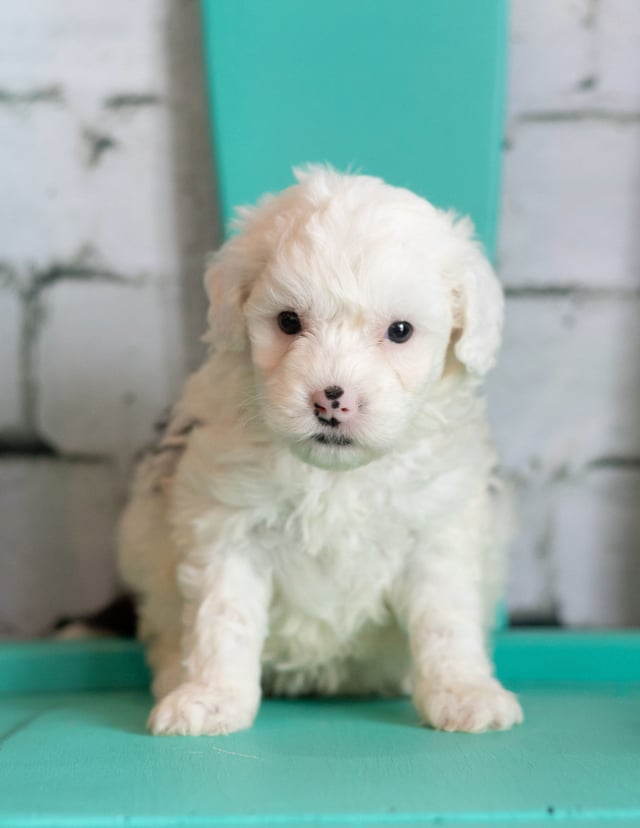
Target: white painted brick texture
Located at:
point(10, 319)
point(106, 216)
point(103, 404)
point(574, 55)
point(594, 553)
point(551, 53)
point(618, 56)
point(567, 387)
point(566, 394)
point(571, 207)
point(56, 539)
point(531, 585)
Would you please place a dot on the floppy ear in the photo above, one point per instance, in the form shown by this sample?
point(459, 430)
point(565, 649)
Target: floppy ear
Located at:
point(231, 272)
point(478, 312)
point(226, 291)
point(228, 279)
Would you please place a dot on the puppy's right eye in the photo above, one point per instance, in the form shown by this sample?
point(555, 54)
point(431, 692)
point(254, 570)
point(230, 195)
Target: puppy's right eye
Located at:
point(289, 323)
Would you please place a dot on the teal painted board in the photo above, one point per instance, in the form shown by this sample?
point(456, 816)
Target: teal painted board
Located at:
point(82, 665)
point(81, 757)
point(522, 656)
point(410, 90)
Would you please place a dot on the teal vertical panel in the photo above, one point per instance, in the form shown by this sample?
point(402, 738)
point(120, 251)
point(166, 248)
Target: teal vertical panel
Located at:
point(410, 90)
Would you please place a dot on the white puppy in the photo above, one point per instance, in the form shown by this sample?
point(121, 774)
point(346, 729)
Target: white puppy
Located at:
point(321, 514)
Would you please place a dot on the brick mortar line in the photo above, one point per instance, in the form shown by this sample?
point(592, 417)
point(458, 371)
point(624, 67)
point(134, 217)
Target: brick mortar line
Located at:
point(54, 94)
point(132, 100)
point(551, 116)
point(571, 292)
point(561, 473)
point(614, 461)
point(80, 268)
point(8, 455)
point(38, 95)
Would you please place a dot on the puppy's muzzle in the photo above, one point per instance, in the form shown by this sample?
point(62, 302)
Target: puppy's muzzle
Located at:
point(333, 406)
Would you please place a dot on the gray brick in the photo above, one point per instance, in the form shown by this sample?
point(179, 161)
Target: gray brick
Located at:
point(108, 364)
point(106, 187)
point(551, 53)
point(531, 592)
point(10, 400)
point(567, 385)
point(99, 48)
point(571, 205)
point(596, 548)
point(618, 54)
point(56, 534)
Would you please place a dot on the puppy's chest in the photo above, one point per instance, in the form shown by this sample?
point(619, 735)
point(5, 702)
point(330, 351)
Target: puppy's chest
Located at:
point(336, 550)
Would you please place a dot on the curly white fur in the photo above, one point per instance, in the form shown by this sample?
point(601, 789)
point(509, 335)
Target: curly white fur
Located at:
point(271, 549)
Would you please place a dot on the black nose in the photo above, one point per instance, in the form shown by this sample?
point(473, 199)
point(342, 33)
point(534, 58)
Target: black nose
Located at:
point(333, 392)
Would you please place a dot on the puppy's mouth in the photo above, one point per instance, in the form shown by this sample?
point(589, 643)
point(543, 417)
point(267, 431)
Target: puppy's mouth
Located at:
point(333, 439)
point(332, 451)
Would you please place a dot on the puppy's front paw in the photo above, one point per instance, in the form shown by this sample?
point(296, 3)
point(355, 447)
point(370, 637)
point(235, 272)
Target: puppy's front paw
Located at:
point(469, 708)
point(196, 710)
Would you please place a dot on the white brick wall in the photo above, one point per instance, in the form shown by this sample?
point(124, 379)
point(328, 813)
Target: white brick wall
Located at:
point(617, 56)
point(102, 404)
point(574, 55)
point(552, 53)
point(106, 215)
point(594, 557)
point(565, 398)
point(567, 388)
point(572, 202)
point(107, 212)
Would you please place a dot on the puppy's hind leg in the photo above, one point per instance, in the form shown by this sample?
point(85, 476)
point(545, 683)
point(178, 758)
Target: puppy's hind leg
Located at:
point(165, 659)
point(159, 630)
point(146, 558)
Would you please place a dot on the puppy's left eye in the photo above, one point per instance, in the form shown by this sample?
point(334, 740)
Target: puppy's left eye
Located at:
point(399, 331)
point(289, 323)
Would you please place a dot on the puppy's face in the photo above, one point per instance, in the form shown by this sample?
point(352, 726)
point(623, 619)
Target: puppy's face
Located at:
point(346, 343)
point(349, 312)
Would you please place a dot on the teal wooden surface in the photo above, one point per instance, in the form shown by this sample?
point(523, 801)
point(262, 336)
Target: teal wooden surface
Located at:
point(410, 90)
point(76, 755)
point(531, 656)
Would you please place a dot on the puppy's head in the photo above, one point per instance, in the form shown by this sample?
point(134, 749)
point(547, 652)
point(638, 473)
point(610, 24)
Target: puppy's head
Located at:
point(348, 294)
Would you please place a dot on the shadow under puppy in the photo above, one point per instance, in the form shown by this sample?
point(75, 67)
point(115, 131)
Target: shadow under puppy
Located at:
point(322, 514)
